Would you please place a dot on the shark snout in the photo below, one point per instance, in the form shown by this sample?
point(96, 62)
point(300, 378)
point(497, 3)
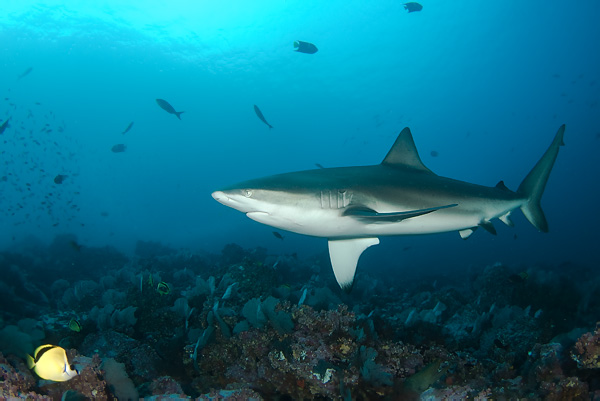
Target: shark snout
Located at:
point(235, 201)
point(220, 197)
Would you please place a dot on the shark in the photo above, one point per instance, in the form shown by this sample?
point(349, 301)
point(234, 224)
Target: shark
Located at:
point(354, 206)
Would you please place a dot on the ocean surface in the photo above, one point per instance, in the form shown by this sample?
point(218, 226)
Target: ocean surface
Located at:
point(483, 86)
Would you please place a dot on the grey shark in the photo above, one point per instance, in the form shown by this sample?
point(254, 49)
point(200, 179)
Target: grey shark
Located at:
point(353, 206)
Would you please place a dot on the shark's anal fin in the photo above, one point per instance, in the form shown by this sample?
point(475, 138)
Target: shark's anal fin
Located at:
point(506, 219)
point(371, 216)
point(344, 255)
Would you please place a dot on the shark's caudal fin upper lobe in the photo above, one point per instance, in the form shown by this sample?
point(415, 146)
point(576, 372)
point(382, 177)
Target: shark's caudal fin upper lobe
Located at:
point(534, 184)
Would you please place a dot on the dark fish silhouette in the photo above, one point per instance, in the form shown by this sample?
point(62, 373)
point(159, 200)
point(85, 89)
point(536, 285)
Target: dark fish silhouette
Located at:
point(4, 126)
point(168, 108)
point(60, 178)
point(305, 47)
point(25, 73)
point(260, 115)
point(119, 148)
point(412, 7)
point(278, 235)
point(319, 165)
point(434, 153)
point(127, 129)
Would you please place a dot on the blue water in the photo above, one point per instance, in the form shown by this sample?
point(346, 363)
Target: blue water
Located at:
point(484, 84)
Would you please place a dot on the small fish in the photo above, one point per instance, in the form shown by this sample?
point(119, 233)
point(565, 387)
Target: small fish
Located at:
point(4, 126)
point(50, 363)
point(305, 47)
point(163, 288)
point(412, 7)
point(168, 108)
point(60, 178)
point(127, 129)
point(434, 153)
point(278, 235)
point(25, 73)
point(518, 278)
point(118, 148)
point(260, 115)
point(74, 325)
point(319, 165)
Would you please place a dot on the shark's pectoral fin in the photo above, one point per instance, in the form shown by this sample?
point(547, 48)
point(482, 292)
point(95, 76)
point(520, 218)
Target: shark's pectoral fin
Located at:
point(371, 216)
point(344, 255)
point(467, 232)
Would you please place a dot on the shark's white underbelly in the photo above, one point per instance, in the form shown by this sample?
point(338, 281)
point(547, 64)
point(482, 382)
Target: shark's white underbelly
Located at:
point(332, 224)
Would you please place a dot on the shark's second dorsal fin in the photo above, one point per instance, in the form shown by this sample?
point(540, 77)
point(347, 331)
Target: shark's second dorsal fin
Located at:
point(404, 153)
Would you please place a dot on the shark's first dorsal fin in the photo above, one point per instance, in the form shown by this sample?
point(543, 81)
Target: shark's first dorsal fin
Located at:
point(404, 153)
point(344, 254)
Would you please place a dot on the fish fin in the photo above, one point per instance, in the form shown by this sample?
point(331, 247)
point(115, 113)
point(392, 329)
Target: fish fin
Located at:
point(344, 255)
point(488, 226)
point(467, 232)
point(178, 114)
point(507, 220)
point(500, 185)
point(30, 361)
point(370, 215)
point(534, 184)
point(404, 153)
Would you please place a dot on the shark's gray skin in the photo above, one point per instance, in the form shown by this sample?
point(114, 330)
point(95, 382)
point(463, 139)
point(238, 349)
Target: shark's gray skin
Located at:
point(353, 206)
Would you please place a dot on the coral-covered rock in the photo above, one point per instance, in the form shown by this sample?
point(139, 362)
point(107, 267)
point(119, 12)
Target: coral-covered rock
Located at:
point(587, 350)
point(16, 380)
point(568, 388)
point(165, 385)
point(89, 383)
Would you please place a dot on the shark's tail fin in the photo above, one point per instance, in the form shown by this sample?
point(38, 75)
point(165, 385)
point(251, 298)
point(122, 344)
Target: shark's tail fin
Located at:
point(534, 184)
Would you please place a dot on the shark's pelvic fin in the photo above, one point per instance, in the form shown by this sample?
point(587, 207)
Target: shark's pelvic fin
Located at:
point(344, 255)
point(467, 232)
point(370, 215)
point(488, 226)
point(404, 153)
point(534, 184)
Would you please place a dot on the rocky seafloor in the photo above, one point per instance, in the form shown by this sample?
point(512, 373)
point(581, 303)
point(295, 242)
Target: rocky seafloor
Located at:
point(244, 324)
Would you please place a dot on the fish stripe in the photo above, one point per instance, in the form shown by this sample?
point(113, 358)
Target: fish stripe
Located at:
point(41, 351)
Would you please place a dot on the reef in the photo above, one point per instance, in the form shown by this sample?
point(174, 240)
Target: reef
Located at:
point(174, 324)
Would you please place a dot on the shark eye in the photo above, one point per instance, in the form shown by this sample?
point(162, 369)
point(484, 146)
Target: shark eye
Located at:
point(247, 193)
